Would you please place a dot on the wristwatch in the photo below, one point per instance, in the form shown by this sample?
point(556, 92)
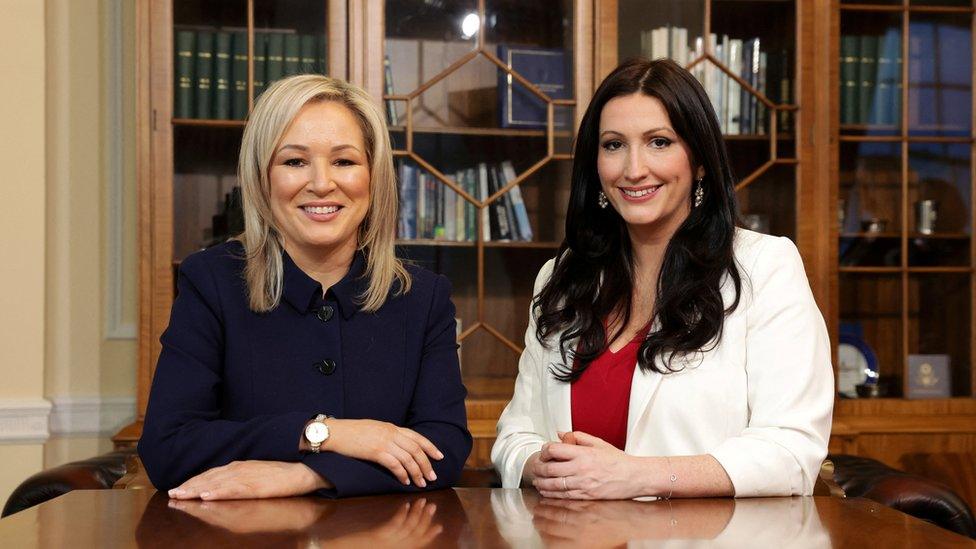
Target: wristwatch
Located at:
point(317, 432)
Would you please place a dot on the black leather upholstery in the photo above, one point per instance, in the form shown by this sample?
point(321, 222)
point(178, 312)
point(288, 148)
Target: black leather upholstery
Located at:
point(94, 473)
point(911, 494)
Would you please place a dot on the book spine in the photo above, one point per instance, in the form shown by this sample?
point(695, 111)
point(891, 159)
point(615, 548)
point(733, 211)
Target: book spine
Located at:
point(734, 90)
point(322, 51)
point(392, 118)
point(450, 212)
point(439, 200)
point(410, 201)
point(309, 60)
point(501, 215)
point(239, 72)
point(518, 204)
point(867, 77)
point(222, 75)
point(486, 217)
point(785, 91)
point(276, 58)
point(204, 74)
point(422, 205)
point(849, 60)
point(507, 204)
point(185, 42)
point(761, 111)
point(260, 62)
point(293, 54)
point(746, 115)
point(470, 211)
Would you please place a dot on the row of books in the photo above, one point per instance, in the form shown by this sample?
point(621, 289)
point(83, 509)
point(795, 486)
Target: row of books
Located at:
point(870, 78)
point(211, 68)
point(738, 110)
point(431, 210)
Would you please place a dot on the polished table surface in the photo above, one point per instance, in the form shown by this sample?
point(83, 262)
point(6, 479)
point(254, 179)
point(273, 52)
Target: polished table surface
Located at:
point(469, 517)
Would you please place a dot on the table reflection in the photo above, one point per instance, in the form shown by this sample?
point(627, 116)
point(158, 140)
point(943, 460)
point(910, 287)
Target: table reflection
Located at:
point(481, 518)
point(432, 519)
point(526, 520)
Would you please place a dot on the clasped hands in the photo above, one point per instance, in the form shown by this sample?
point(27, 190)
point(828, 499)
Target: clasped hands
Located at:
point(406, 453)
point(582, 466)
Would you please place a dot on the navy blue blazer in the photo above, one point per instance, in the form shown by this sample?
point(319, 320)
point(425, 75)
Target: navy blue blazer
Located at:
point(234, 385)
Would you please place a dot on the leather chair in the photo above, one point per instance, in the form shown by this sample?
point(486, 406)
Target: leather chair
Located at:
point(842, 475)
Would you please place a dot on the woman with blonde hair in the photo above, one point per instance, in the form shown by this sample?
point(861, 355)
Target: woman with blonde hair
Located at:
point(302, 356)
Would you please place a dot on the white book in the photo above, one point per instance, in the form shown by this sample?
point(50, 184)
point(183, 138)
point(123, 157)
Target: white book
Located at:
point(659, 45)
point(734, 89)
point(699, 70)
point(483, 191)
point(679, 45)
point(450, 212)
point(711, 78)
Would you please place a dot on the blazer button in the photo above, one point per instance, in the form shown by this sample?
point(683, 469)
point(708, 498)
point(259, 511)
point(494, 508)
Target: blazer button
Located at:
point(326, 367)
point(325, 313)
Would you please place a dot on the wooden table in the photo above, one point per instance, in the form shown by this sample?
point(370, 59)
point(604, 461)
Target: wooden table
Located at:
point(465, 516)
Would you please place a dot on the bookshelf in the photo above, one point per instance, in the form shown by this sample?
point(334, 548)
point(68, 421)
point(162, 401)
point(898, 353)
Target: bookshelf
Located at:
point(798, 161)
point(904, 249)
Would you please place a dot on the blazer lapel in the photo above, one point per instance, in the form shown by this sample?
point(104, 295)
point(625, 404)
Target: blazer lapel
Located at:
point(558, 395)
point(642, 389)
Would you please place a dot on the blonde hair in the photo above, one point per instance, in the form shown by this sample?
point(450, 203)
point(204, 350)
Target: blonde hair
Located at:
point(272, 114)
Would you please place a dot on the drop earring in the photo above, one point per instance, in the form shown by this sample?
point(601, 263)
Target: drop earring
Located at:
point(601, 200)
point(699, 192)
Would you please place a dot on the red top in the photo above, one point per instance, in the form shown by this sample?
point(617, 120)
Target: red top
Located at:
point(600, 398)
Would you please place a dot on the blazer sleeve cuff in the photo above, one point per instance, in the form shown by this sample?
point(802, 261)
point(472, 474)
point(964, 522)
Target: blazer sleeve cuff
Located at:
point(512, 477)
point(757, 470)
point(350, 476)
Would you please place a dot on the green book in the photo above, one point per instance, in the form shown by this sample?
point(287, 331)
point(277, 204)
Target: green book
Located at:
point(293, 52)
point(183, 90)
point(204, 74)
point(849, 61)
point(867, 77)
point(222, 75)
point(275, 67)
point(323, 54)
point(260, 62)
point(309, 60)
point(239, 73)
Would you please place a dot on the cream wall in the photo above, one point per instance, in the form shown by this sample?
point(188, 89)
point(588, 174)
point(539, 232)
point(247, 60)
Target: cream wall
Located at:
point(67, 236)
point(22, 235)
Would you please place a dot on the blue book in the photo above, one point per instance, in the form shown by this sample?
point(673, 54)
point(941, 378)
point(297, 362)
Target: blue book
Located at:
point(408, 201)
point(518, 205)
point(547, 69)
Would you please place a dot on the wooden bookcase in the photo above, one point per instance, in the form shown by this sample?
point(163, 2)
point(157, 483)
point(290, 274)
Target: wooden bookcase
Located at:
point(795, 167)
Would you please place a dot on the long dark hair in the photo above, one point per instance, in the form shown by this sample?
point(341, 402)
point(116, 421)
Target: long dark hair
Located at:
point(593, 276)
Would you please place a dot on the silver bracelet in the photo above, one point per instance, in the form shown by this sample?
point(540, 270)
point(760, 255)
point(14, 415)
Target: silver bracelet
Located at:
point(672, 477)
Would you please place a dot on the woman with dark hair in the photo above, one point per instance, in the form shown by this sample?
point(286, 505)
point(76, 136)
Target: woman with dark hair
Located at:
point(669, 352)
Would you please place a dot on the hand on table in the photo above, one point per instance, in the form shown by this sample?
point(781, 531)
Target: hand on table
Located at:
point(251, 479)
point(583, 466)
point(257, 516)
point(404, 452)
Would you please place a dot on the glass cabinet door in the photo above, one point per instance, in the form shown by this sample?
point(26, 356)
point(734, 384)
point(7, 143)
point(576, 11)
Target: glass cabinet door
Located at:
point(906, 160)
point(225, 54)
point(746, 65)
point(481, 102)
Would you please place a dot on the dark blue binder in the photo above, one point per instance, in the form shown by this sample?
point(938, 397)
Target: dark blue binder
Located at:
point(549, 70)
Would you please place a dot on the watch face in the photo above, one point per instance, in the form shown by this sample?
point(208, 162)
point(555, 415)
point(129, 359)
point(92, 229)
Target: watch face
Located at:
point(316, 432)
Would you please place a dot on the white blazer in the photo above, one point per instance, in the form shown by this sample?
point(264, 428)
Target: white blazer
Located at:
point(760, 401)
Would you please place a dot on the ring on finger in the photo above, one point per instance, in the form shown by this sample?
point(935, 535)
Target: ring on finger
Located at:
point(565, 487)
